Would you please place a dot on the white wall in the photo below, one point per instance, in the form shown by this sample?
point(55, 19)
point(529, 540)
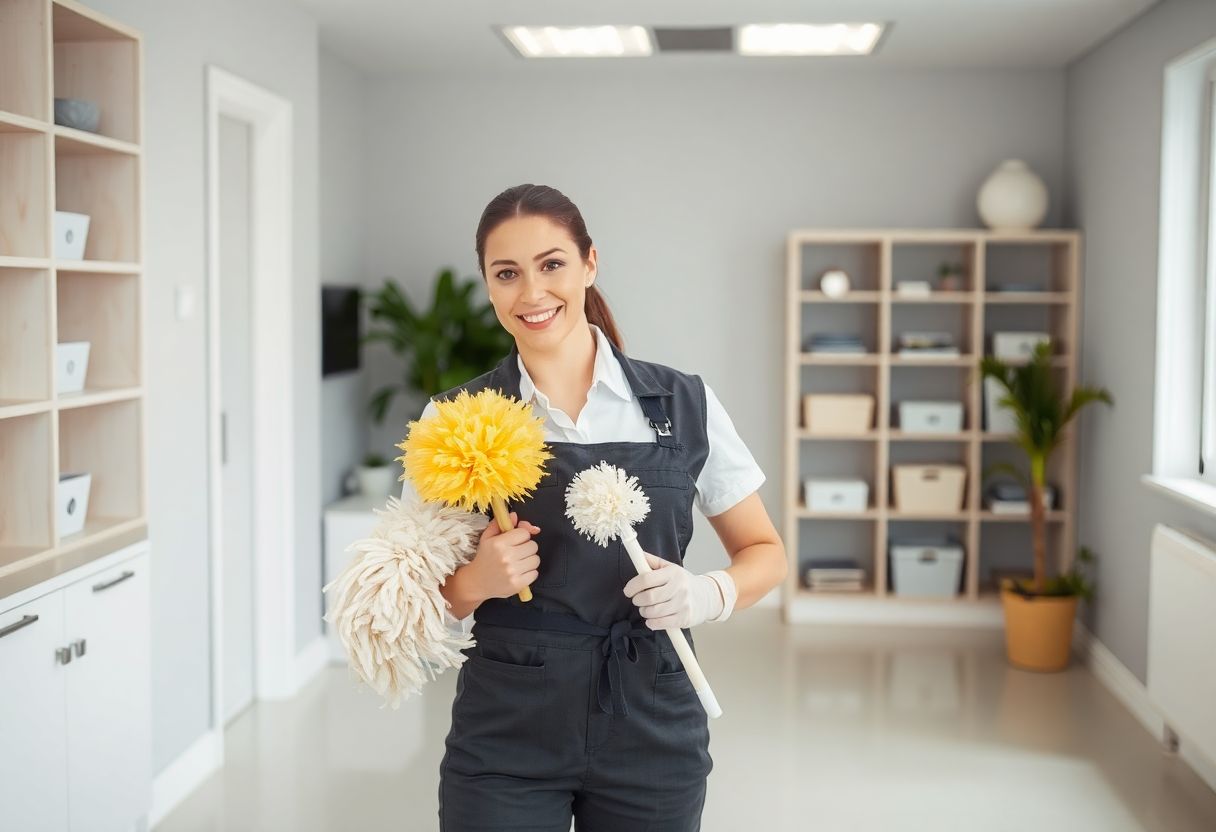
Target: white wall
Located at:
point(273, 44)
point(689, 182)
point(343, 123)
point(1114, 179)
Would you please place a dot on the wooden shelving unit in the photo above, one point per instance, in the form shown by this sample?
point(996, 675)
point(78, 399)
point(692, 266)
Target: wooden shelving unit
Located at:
point(876, 259)
point(50, 49)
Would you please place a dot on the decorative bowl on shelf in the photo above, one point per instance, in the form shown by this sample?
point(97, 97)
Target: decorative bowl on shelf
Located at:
point(72, 502)
point(71, 233)
point(77, 113)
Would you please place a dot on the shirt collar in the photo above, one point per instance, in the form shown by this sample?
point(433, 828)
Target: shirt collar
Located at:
point(607, 370)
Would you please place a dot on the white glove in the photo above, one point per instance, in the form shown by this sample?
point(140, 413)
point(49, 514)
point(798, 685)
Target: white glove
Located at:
point(670, 596)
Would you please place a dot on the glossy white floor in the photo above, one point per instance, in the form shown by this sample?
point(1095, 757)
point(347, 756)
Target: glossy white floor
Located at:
point(825, 729)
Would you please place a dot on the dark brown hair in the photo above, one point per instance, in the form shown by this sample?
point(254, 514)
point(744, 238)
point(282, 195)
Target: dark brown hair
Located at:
point(543, 201)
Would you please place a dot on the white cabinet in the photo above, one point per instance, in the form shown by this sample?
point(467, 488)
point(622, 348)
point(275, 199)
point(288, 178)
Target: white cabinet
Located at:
point(33, 736)
point(346, 520)
point(75, 731)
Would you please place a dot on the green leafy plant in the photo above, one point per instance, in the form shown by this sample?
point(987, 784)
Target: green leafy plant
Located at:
point(373, 460)
point(1074, 582)
point(1042, 413)
point(947, 269)
point(456, 339)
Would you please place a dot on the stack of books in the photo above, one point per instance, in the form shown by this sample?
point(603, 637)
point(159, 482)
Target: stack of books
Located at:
point(838, 343)
point(927, 344)
point(834, 575)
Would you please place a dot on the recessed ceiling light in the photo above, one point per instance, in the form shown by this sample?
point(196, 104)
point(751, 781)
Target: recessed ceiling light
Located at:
point(807, 38)
point(579, 41)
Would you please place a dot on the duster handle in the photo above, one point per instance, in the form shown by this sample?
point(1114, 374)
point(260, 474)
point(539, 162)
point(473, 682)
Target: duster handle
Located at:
point(499, 507)
point(699, 683)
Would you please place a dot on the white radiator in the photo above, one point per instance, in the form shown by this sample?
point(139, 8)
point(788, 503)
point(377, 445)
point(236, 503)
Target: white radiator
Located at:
point(1182, 636)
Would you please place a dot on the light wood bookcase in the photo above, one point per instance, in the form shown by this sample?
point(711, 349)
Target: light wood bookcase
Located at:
point(49, 49)
point(876, 260)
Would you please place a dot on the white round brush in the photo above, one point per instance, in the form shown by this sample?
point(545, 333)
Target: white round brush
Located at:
point(604, 503)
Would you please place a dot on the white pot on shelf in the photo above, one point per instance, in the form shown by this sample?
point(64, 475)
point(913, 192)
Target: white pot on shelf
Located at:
point(376, 481)
point(1012, 198)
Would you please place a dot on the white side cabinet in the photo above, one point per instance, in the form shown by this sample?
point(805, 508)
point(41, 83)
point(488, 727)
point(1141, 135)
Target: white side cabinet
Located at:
point(346, 520)
point(75, 725)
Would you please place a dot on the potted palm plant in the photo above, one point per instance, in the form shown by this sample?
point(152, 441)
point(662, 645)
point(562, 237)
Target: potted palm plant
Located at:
point(1039, 615)
point(456, 339)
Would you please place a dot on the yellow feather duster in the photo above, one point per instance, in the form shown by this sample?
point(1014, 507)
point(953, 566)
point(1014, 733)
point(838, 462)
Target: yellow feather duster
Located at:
point(477, 452)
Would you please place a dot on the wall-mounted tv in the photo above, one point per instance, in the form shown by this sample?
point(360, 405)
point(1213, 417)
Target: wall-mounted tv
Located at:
point(339, 329)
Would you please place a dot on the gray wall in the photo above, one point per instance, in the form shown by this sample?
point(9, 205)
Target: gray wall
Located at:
point(343, 122)
point(689, 181)
point(1114, 97)
point(273, 44)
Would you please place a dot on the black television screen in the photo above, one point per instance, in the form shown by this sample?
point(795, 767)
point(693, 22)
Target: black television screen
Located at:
point(339, 329)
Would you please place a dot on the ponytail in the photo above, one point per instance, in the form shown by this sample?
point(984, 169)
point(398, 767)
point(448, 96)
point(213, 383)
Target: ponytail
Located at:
point(598, 313)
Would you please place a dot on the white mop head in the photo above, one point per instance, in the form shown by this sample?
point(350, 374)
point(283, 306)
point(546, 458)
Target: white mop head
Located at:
point(602, 500)
point(387, 607)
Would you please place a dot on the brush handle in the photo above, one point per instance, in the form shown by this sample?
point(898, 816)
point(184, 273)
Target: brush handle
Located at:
point(499, 507)
point(699, 683)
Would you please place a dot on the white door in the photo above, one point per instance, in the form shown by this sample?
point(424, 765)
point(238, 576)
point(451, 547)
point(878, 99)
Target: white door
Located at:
point(106, 621)
point(236, 552)
point(33, 750)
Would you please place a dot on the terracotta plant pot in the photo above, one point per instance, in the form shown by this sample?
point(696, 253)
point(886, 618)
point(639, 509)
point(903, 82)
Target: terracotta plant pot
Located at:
point(1038, 631)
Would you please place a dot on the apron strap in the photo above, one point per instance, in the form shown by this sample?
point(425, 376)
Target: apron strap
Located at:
point(652, 407)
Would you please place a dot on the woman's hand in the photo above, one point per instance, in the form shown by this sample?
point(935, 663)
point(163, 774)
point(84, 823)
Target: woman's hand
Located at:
point(505, 562)
point(670, 596)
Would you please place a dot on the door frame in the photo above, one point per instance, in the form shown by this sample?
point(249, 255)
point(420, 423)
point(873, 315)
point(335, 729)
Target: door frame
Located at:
point(269, 117)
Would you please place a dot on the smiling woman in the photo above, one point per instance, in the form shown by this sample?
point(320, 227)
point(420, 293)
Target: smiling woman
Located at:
point(548, 721)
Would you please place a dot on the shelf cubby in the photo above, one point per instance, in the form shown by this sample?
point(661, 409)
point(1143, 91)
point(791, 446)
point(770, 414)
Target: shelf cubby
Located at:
point(23, 58)
point(98, 60)
point(1047, 265)
point(103, 309)
point(25, 336)
point(24, 183)
point(26, 463)
point(104, 441)
point(106, 187)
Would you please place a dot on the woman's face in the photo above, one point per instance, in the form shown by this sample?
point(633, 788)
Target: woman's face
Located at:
point(536, 280)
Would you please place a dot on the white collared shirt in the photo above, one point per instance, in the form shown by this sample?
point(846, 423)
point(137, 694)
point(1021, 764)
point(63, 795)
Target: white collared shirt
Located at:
point(613, 414)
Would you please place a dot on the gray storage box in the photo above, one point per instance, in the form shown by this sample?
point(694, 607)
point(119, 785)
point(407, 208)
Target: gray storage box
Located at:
point(926, 568)
point(845, 495)
point(931, 417)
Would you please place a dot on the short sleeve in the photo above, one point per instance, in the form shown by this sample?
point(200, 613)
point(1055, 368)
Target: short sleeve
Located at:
point(730, 472)
point(454, 624)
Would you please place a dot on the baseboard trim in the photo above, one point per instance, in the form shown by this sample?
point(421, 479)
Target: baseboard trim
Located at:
point(311, 660)
point(1130, 691)
point(185, 774)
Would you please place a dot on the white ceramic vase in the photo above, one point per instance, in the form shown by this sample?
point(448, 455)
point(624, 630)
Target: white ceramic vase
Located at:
point(1012, 198)
point(375, 482)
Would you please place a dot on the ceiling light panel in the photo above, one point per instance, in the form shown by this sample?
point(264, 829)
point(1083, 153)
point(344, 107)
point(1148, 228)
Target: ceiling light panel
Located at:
point(773, 39)
point(579, 41)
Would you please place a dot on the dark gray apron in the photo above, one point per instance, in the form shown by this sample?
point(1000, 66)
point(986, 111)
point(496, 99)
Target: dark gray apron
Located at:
point(569, 704)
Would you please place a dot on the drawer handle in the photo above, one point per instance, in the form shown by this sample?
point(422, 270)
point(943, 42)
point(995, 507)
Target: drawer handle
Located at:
point(26, 620)
point(118, 580)
point(78, 645)
point(63, 654)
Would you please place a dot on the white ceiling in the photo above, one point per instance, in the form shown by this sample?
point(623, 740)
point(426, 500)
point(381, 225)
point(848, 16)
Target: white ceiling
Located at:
point(384, 37)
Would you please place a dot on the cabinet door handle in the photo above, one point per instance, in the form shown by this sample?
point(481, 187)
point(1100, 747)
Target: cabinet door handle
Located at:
point(78, 645)
point(118, 580)
point(26, 620)
point(63, 654)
